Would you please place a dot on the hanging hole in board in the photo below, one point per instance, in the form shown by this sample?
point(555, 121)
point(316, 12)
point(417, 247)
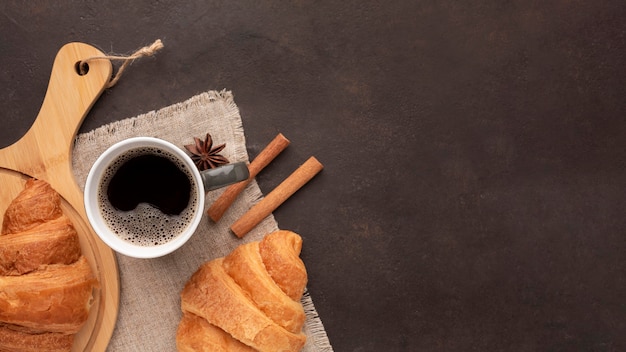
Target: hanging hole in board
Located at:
point(81, 68)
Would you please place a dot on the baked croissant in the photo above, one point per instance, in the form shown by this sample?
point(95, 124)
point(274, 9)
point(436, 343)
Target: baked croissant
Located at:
point(195, 334)
point(36, 204)
point(46, 284)
point(250, 296)
point(51, 242)
point(14, 340)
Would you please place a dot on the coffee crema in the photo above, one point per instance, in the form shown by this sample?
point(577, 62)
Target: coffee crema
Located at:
point(147, 196)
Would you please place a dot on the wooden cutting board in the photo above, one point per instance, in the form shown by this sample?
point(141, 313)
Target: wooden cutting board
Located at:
point(45, 153)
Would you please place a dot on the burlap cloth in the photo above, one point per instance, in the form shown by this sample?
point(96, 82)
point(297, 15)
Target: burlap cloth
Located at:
point(150, 288)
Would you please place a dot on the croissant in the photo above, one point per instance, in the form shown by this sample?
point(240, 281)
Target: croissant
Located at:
point(245, 266)
point(36, 204)
point(280, 251)
point(46, 285)
point(54, 298)
point(195, 334)
point(14, 340)
point(52, 242)
point(243, 297)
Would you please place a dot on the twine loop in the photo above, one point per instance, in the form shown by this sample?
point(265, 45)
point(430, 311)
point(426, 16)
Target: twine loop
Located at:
point(146, 51)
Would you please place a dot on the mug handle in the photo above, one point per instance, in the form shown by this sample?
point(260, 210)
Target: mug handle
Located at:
point(224, 175)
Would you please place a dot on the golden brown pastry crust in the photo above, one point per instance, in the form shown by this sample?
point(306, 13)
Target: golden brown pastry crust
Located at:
point(52, 242)
point(213, 295)
point(34, 205)
point(195, 334)
point(20, 341)
point(244, 297)
point(280, 251)
point(54, 298)
point(45, 284)
point(246, 267)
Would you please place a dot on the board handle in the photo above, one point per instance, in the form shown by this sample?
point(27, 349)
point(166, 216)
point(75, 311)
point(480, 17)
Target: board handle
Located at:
point(69, 97)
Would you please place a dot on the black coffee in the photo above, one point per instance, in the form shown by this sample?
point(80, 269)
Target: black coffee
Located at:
point(152, 179)
point(147, 196)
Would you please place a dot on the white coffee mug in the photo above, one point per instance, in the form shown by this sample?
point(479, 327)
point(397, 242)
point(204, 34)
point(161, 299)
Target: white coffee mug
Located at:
point(140, 229)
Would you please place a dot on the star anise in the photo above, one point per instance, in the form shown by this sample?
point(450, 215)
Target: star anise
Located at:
point(204, 155)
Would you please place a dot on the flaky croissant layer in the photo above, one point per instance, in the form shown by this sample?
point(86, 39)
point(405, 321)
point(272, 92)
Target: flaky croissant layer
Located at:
point(46, 285)
point(248, 300)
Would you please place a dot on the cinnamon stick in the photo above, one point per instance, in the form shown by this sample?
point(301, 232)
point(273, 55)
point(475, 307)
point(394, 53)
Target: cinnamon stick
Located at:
point(219, 207)
point(276, 197)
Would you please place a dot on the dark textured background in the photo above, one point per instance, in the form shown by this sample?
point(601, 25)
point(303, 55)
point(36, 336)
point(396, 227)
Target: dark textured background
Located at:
point(473, 196)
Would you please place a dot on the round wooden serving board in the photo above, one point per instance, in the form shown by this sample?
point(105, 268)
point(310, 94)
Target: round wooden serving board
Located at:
point(45, 153)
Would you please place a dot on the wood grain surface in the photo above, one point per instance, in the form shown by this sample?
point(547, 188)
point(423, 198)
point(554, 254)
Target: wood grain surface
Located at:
point(44, 152)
